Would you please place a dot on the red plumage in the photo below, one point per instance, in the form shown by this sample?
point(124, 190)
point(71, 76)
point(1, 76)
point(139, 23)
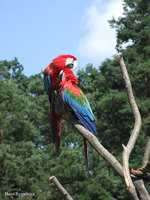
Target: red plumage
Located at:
point(53, 69)
point(52, 81)
point(74, 100)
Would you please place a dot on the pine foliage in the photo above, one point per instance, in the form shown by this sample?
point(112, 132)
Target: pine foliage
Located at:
point(27, 154)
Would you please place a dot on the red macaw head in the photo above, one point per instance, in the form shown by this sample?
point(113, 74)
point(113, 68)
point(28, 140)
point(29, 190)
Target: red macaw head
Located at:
point(59, 63)
point(64, 61)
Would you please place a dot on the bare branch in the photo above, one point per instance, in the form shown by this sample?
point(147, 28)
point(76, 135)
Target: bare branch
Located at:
point(146, 153)
point(54, 180)
point(139, 176)
point(139, 184)
point(135, 110)
point(135, 132)
point(99, 148)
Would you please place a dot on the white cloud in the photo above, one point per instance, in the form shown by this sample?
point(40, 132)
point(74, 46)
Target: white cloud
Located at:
point(100, 40)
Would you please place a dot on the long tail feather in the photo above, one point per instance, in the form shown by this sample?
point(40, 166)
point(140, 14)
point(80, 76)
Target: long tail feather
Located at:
point(86, 155)
point(55, 127)
point(58, 136)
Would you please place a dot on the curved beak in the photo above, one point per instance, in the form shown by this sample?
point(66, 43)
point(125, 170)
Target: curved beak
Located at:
point(75, 64)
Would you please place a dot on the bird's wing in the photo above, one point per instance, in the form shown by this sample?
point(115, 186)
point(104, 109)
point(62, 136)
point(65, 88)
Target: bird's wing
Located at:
point(47, 83)
point(73, 95)
point(55, 121)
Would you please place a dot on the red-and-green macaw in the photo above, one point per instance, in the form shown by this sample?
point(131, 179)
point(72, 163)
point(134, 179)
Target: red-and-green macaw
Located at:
point(51, 82)
point(73, 99)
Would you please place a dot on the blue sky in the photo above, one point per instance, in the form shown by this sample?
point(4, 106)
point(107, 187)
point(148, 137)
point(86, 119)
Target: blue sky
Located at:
point(36, 31)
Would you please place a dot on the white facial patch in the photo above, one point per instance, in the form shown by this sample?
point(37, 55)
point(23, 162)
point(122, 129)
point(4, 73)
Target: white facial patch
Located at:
point(71, 61)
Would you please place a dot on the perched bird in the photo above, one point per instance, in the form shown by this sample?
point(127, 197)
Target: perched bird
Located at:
point(51, 82)
point(75, 102)
point(74, 99)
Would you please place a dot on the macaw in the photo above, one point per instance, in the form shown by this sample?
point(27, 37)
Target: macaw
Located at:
point(51, 82)
point(74, 101)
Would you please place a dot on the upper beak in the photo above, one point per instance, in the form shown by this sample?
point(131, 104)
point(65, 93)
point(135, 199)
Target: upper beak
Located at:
point(75, 64)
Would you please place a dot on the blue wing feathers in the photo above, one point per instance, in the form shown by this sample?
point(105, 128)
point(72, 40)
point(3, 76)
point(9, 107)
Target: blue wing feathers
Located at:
point(84, 113)
point(86, 122)
point(85, 110)
point(47, 83)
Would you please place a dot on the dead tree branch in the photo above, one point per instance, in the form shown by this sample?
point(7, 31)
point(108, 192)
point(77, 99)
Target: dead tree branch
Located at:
point(140, 177)
point(137, 126)
point(146, 153)
point(54, 180)
point(139, 184)
point(99, 148)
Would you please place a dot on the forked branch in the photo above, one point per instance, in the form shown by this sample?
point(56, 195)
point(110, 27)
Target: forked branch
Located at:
point(137, 126)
